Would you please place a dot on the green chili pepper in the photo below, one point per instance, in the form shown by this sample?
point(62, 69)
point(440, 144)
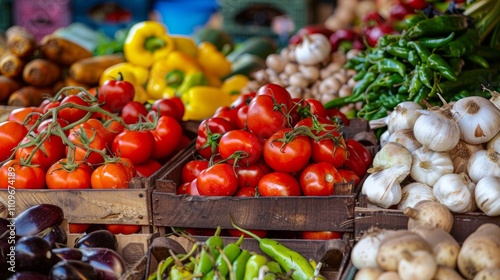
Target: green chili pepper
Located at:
point(209, 253)
point(437, 42)
point(179, 273)
point(398, 51)
point(231, 252)
point(387, 81)
point(413, 57)
point(461, 94)
point(415, 84)
point(468, 78)
point(288, 259)
point(240, 263)
point(274, 267)
point(403, 89)
point(376, 55)
point(466, 43)
point(390, 101)
point(412, 19)
point(478, 60)
point(362, 85)
point(359, 75)
point(162, 268)
point(436, 62)
point(421, 95)
point(456, 64)
point(390, 65)
point(425, 74)
point(436, 26)
point(381, 113)
point(388, 39)
point(422, 51)
point(253, 266)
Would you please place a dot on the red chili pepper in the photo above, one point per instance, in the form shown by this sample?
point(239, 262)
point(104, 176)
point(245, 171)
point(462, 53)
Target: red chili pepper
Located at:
point(344, 34)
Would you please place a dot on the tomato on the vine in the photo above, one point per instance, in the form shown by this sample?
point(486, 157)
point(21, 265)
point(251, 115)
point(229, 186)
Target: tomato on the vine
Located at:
point(45, 124)
point(48, 104)
point(209, 133)
point(148, 168)
point(135, 145)
point(286, 152)
point(278, 93)
point(192, 169)
point(117, 93)
point(123, 229)
point(321, 235)
point(305, 108)
point(51, 150)
point(246, 192)
point(240, 146)
point(243, 99)
point(227, 113)
point(318, 179)
point(113, 175)
point(167, 136)
point(265, 116)
point(361, 150)
point(349, 176)
point(190, 188)
point(26, 116)
point(249, 176)
point(63, 176)
point(11, 133)
point(72, 114)
point(86, 140)
point(133, 112)
point(278, 184)
point(217, 180)
point(16, 175)
point(330, 148)
point(166, 107)
point(241, 117)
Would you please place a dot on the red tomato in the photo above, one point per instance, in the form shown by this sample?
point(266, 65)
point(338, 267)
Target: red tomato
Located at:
point(361, 150)
point(249, 176)
point(241, 117)
point(11, 133)
point(243, 99)
point(167, 136)
point(185, 141)
point(133, 112)
point(349, 176)
point(337, 117)
point(278, 184)
point(246, 192)
point(148, 168)
point(240, 146)
point(107, 135)
point(417, 4)
point(44, 125)
point(179, 104)
point(305, 108)
point(63, 176)
point(117, 93)
point(135, 145)
point(166, 107)
point(113, 175)
point(318, 124)
point(331, 148)
point(192, 188)
point(237, 233)
point(355, 163)
point(17, 176)
point(279, 94)
point(192, 169)
point(49, 152)
point(318, 179)
point(217, 180)
point(227, 113)
point(72, 114)
point(115, 127)
point(86, 140)
point(285, 153)
point(26, 116)
point(123, 229)
point(77, 228)
point(265, 116)
point(48, 104)
point(321, 235)
point(209, 133)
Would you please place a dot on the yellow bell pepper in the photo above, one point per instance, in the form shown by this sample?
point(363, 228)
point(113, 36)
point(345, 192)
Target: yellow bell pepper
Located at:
point(212, 61)
point(202, 101)
point(185, 44)
point(234, 84)
point(174, 74)
point(136, 75)
point(146, 42)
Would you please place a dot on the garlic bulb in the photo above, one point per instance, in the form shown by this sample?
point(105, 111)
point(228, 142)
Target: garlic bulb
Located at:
point(428, 166)
point(494, 143)
point(391, 154)
point(313, 49)
point(495, 99)
point(456, 192)
point(382, 188)
point(384, 138)
point(406, 138)
point(403, 116)
point(483, 163)
point(478, 119)
point(437, 130)
point(487, 194)
point(461, 154)
point(413, 193)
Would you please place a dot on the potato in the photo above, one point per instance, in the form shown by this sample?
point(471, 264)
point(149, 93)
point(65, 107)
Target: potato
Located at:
point(444, 246)
point(395, 245)
point(488, 274)
point(446, 273)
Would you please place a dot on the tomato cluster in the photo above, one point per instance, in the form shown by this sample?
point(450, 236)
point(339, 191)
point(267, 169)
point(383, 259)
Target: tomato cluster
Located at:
point(82, 139)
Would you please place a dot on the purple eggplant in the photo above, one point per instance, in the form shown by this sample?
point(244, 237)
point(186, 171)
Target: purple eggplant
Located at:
point(28, 275)
point(56, 236)
point(97, 239)
point(38, 218)
point(66, 253)
point(72, 270)
point(33, 253)
point(4, 267)
point(108, 263)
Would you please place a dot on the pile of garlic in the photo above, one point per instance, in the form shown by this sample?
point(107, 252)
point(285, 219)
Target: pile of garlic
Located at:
point(449, 154)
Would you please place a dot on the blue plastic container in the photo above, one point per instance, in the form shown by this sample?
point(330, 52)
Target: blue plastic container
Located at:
point(184, 17)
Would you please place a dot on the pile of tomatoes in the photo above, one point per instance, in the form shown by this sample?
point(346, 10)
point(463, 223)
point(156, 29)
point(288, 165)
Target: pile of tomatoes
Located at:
point(268, 144)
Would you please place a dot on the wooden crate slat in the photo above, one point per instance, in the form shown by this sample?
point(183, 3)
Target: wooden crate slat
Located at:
point(127, 206)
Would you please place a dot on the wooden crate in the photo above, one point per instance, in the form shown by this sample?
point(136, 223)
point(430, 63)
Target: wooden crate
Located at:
point(463, 224)
point(334, 254)
point(5, 111)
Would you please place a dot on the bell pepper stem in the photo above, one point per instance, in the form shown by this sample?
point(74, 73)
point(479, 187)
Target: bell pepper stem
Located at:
point(154, 43)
